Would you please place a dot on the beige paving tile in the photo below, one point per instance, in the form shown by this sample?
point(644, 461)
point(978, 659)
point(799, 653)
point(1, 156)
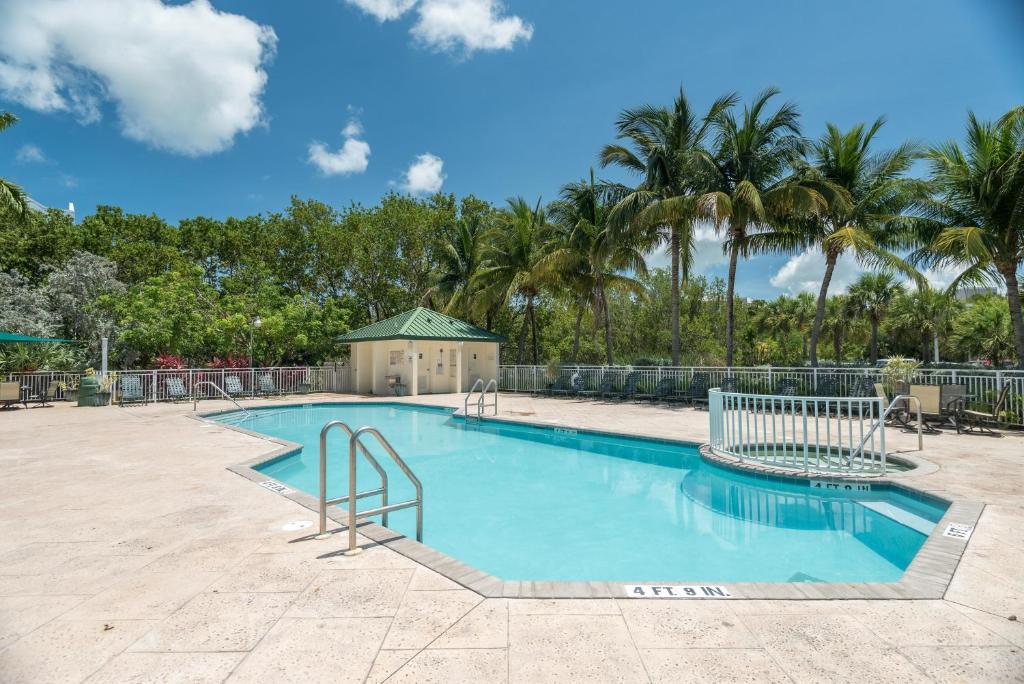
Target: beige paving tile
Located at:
point(386, 663)
point(768, 607)
point(43, 557)
point(685, 624)
point(922, 623)
point(990, 664)
point(563, 607)
point(166, 668)
point(19, 615)
point(1011, 630)
point(712, 665)
point(145, 596)
point(425, 615)
point(308, 650)
point(262, 572)
point(204, 555)
point(217, 622)
point(476, 666)
point(67, 650)
point(571, 648)
point(485, 626)
point(428, 580)
point(353, 593)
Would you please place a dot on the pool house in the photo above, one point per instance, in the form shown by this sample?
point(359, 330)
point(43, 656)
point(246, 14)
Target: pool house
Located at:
point(421, 352)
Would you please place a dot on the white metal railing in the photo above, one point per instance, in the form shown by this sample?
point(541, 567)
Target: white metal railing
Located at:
point(982, 386)
point(811, 434)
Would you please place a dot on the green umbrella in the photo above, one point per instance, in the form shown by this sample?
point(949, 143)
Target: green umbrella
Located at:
point(14, 338)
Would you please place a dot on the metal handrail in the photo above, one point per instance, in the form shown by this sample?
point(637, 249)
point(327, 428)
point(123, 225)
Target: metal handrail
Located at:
point(881, 420)
point(324, 501)
point(465, 402)
point(353, 515)
point(483, 396)
point(195, 399)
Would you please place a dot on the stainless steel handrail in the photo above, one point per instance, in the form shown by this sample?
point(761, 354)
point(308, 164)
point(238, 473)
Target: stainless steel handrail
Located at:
point(195, 399)
point(881, 420)
point(483, 396)
point(324, 501)
point(465, 402)
point(353, 515)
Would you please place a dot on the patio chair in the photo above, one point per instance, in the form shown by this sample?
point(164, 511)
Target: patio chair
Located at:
point(233, 386)
point(631, 386)
point(787, 387)
point(266, 384)
point(607, 388)
point(983, 420)
point(175, 389)
point(42, 397)
point(729, 384)
point(653, 393)
point(952, 402)
point(567, 386)
point(130, 390)
point(828, 386)
point(666, 390)
point(589, 389)
point(697, 391)
point(10, 393)
point(559, 386)
point(930, 397)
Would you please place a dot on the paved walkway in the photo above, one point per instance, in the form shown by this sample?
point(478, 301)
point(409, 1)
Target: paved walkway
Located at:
point(129, 553)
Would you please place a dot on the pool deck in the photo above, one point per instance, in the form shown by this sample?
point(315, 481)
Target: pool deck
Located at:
point(131, 553)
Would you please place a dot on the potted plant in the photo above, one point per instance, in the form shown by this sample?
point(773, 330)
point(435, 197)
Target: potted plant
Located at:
point(105, 389)
point(69, 389)
point(898, 372)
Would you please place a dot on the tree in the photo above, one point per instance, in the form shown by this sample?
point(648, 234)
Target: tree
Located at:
point(458, 263)
point(588, 258)
point(72, 292)
point(513, 268)
point(870, 296)
point(663, 207)
point(750, 189)
point(984, 329)
point(976, 220)
point(12, 197)
point(924, 315)
point(866, 192)
point(24, 310)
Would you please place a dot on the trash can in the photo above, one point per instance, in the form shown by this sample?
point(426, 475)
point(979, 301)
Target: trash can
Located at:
point(87, 391)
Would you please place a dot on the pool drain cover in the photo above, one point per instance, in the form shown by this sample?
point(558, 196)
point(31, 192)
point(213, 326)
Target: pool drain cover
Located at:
point(297, 525)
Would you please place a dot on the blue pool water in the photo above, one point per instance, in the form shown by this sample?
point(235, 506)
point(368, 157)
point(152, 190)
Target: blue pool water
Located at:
point(528, 503)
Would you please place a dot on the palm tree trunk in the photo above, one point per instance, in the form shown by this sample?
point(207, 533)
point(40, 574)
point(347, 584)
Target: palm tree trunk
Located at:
point(576, 337)
point(730, 312)
point(1009, 272)
point(837, 344)
point(674, 246)
point(533, 325)
point(819, 313)
point(521, 356)
point(608, 342)
point(874, 339)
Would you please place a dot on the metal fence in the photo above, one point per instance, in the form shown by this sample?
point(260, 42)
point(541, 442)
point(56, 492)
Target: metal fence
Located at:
point(812, 434)
point(982, 387)
point(188, 383)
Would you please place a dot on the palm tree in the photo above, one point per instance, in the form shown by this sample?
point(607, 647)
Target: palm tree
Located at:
point(459, 261)
point(661, 144)
point(750, 188)
point(588, 257)
point(925, 312)
point(976, 220)
point(12, 197)
point(512, 267)
point(870, 296)
point(837, 323)
point(866, 193)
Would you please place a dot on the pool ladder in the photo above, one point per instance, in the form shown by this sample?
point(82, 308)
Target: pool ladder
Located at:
point(481, 402)
point(355, 445)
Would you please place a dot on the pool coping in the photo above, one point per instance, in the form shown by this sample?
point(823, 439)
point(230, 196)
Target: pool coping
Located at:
point(927, 577)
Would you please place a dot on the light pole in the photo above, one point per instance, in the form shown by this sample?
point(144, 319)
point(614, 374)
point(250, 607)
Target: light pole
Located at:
point(256, 323)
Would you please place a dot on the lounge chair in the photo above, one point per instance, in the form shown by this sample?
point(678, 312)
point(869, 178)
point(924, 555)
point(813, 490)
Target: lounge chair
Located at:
point(983, 420)
point(729, 384)
point(42, 397)
point(562, 387)
point(175, 389)
point(631, 387)
point(828, 386)
point(266, 384)
point(10, 393)
point(233, 386)
point(787, 387)
point(606, 390)
point(661, 389)
point(697, 391)
point(930, 397)
point(130, 390)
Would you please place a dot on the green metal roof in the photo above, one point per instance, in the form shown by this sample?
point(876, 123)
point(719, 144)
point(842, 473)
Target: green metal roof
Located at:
point(14, 338)
point(421, 324)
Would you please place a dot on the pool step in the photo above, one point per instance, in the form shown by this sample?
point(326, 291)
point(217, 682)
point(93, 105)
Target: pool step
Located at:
point(903, 517)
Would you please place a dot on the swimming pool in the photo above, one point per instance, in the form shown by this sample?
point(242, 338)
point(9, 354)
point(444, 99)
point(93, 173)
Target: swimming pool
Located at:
point(532, 503)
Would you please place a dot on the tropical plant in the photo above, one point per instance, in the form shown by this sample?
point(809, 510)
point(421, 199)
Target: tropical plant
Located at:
point(458, 263)
point(924, 314)
point(866, 193)
point(984, 329)
point(512, 268)
point(975, 222)
point(751, 190)
point(12, 197)
point(661, 146)
point(870, 296)
point(588, 258)
point(899, 370)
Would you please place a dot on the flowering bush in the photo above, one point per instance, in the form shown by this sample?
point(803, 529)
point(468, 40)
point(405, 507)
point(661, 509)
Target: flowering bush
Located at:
point(169, 361)
point(230, 361)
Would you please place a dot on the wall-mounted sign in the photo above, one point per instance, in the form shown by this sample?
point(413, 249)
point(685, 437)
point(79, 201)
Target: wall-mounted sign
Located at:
point(683, 591)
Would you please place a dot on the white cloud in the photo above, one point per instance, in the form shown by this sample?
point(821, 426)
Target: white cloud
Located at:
point(805, 271)
point(185, 78)
point(384, 10)
point(352, 157)
point(707, 251)
point(425, 176)
point(30, 154)
point(468, 25)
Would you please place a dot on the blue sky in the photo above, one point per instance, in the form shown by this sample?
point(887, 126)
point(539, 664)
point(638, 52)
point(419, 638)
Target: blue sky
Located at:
point(196, 111)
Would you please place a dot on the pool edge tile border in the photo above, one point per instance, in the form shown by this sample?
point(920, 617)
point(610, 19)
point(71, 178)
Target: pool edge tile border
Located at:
point(927, 577)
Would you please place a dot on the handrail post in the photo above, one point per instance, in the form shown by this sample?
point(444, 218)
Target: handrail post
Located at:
point(353, 549)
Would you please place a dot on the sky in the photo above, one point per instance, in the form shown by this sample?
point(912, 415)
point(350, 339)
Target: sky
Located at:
point(229, 107)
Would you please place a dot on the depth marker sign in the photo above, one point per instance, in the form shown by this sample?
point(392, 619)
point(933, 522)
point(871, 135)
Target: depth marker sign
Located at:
point(680, 591)
point(958, 531)
point(275, 487)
